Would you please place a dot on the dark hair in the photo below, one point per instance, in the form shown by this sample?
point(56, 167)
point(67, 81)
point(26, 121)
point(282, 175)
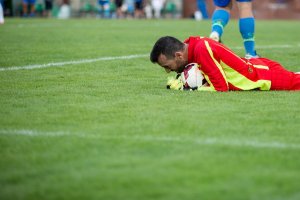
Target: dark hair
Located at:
point(165, 45)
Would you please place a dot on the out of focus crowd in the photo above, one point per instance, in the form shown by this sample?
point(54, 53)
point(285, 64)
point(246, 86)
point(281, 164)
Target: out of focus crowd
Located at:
point(119, 9)
point(97, 8)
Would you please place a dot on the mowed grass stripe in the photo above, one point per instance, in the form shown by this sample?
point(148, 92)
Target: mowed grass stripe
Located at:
point(212, 141)
point(83, 61)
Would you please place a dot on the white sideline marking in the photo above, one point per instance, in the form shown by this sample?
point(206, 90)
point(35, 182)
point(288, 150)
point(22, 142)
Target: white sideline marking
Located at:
point(56, 64)
point(201, 141)
point(38, 66)
point(284, 46)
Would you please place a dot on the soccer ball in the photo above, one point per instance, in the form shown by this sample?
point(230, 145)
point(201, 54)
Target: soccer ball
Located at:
point(192, 77)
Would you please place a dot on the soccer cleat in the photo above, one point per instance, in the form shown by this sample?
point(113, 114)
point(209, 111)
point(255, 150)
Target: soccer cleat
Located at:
point(249, 56)
point(215, 36)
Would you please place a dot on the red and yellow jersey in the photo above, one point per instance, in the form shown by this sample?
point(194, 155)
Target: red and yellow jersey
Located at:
point(224, 70)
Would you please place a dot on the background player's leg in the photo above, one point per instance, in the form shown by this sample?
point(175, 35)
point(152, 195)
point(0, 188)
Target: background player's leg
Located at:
point(247, 27)
point(220, 18)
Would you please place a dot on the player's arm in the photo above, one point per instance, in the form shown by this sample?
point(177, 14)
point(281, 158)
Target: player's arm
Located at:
point(211, 68)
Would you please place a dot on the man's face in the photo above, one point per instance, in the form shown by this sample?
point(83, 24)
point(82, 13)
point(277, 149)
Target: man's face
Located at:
point(175, 64)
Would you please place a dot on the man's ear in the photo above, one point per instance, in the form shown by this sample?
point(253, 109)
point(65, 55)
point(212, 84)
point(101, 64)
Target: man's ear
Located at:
point(179, 54)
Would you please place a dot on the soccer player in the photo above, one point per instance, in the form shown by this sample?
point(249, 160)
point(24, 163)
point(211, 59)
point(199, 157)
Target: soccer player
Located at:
point(201, 4)
point(221, 17)
point(31, 4)
point(119, 4)
point(104, 9)
point(222, 69)
point(138, 9)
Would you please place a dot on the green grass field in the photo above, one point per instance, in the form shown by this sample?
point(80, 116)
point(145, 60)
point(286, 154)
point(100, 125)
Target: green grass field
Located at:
point(108, 129)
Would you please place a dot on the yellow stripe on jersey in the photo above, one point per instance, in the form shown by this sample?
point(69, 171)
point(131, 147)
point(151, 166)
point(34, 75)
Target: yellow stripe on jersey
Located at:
point(242, 82)
point(210, 88)
point(261, 67)
point(216, 62)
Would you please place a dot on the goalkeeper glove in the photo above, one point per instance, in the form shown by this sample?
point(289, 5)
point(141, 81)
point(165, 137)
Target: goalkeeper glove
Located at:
point(175, 83)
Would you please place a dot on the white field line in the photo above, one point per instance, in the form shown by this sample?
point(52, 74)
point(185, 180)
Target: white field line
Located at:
point(284, 46)
point(76, 62)
point(148, 138)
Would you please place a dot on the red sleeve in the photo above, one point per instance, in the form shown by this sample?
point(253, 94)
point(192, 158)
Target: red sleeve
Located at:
point(207, 58)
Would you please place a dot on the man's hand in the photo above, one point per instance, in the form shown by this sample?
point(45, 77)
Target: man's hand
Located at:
point(175, 83)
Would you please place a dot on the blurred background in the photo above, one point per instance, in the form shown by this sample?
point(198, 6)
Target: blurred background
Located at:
point(114, 9)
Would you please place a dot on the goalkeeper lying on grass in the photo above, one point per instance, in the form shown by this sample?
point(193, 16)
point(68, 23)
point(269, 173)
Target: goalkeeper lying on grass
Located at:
point(223, 70)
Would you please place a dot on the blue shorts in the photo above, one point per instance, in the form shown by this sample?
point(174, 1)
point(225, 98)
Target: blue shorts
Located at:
point(224, 3)
point(29, 1)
